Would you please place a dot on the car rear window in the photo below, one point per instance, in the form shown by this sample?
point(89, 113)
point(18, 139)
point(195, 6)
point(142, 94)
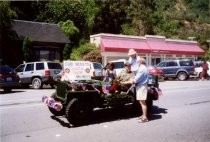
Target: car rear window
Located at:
point(6, 70)
point(97, 66)
point(186, 63)
point(118, 65)
point(54, 66)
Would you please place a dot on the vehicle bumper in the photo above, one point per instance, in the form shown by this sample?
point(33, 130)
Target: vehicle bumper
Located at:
point(194, 75)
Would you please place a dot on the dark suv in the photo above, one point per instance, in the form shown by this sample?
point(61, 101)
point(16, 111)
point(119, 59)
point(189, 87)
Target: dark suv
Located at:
point(181, 69)
point(38, 73)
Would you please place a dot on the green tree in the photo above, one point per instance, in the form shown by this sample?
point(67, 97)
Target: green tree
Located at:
point(27, 43)
point(28, 10)
point(6, 32)
point(66, 52)
point(91, 10)
point(111, 15)
point(71, 31)
point(63, 10)
point(140, 13)
point(199, 9)
point(84, 49)
point(207, 55)
point(127, 29)
point(164, 23)
point(69, 28)
point(93, 56)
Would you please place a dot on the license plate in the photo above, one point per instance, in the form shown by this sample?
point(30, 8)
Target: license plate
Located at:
point(8, 79)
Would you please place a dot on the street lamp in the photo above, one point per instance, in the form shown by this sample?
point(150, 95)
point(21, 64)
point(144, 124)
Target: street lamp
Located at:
point(208, 41)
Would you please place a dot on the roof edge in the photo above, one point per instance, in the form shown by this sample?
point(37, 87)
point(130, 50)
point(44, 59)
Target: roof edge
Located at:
point(33, 22)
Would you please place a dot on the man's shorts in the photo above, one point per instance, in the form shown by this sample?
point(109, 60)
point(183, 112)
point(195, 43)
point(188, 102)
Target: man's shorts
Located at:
point(141, 92)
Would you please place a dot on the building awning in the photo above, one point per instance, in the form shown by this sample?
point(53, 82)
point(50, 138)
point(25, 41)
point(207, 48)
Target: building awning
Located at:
point(150, 44)
point(185, 48)
point(123, 45)
point(157, 45)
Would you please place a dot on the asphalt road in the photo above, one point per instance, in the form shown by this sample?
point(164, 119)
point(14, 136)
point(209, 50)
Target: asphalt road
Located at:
point(180, 115)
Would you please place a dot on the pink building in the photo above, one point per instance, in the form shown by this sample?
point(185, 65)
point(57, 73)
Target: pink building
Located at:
point(153, 48)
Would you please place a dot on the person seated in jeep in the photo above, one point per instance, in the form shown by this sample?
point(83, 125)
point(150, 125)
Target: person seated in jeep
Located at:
point(125, 75)
point(110, 74)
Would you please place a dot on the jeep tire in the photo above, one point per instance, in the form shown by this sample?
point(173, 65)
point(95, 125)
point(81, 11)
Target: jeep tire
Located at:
point(78, 112)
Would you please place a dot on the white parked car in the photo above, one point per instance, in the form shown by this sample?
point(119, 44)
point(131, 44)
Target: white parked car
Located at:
point(198, 69)
point(96, 70)
point(38, 73)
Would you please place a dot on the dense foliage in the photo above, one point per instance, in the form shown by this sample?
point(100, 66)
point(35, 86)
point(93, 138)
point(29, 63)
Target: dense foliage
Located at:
point(84, 49)
point(66, 52)
point(27, 44)
point(178, 19)
point(7, 35)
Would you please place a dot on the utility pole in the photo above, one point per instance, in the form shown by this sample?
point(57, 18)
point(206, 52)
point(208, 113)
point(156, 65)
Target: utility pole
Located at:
point(191, 38)
point(208, 41)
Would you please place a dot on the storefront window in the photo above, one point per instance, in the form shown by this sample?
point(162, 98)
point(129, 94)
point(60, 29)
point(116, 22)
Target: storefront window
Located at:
point(155, 61)
point(46, 54)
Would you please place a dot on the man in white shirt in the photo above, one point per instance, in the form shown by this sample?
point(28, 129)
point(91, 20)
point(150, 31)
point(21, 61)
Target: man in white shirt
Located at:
point(133, 60)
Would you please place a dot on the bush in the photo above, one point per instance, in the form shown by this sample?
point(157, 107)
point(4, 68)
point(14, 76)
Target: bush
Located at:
point(86, 51)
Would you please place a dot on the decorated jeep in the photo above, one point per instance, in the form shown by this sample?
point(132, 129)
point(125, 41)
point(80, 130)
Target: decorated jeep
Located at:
point(76, 100)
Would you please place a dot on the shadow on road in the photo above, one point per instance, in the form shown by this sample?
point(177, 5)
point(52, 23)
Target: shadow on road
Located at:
point(62, 122)
point(156, 113)
point(114, 114)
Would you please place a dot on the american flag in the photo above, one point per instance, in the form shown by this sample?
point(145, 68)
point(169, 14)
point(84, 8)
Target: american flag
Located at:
point(84, 86)
point(96, 86)
point(150, 90)
point(106, 88)
point(45, 99)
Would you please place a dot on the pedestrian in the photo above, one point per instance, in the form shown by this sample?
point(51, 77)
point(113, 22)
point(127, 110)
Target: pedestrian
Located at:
point(110, 74)
point(133, 59)
point(205, 68)
point(140, 80)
